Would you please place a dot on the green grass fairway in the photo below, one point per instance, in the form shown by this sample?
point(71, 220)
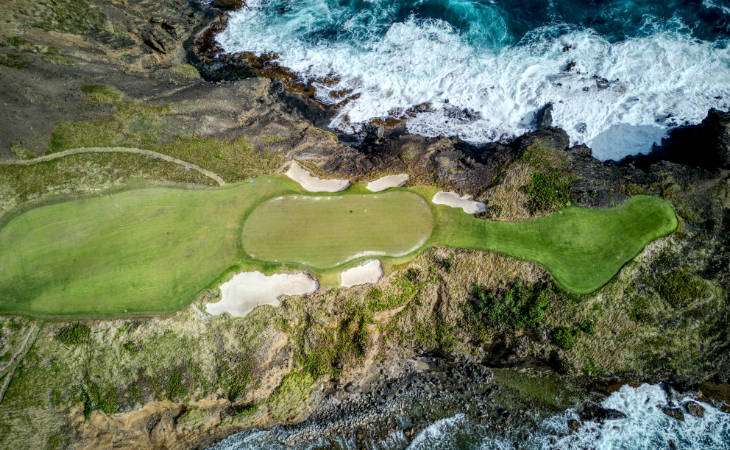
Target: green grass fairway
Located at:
point(582, 248)
point(327, 231)
point(152, 250)
point(145, 250)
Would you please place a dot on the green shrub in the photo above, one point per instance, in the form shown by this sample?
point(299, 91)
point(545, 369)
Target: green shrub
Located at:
point(101, 93)
point(68, 16)
point(408, 288)
point(588, 327)
point(446, 263)
point(590, 369)
point(185, 71)
point(12, 61)
point(514, 307)
point(679, 288)
point(547, 192)
point(97, 397)
point(74, 334)
point(639, 310)
point(235, 373)
point(324, 350)
point(565, 337)
point(291, 395)
point(17, 41)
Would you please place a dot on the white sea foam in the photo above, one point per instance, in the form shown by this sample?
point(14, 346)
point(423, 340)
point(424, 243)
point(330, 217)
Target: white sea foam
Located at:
point(646, 425)
point(436, 432)
point(655, 82)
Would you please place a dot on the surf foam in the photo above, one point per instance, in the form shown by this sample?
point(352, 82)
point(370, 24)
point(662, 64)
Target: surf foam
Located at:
point(634, 89)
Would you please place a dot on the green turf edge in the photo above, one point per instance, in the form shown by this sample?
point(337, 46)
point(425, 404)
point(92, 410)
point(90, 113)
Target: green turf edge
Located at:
point(327, 277)
point(443, 241)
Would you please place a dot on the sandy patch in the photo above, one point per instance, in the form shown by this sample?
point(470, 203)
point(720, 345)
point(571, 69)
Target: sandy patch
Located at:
point(247, 290)
point(369, 272)
point(388, 182)
point(467, 202)
point(312, 183)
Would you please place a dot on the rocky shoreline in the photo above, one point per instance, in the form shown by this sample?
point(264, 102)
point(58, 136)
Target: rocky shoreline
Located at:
point(469, 168)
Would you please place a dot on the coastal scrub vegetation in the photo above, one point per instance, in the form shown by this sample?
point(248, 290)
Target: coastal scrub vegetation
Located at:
point(66, 16)
point(101, 93)
point(680, 287)
point(547, 192)
point(324, 349)
point(84, 174)
point(407, 287)
point(74, 334)
point(565, 337)
point(517, 306)
point(139, 124)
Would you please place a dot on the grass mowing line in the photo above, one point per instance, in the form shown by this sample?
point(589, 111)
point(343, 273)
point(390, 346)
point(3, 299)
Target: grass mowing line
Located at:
point(153, 250)
point(18, 357)
point(136, 151)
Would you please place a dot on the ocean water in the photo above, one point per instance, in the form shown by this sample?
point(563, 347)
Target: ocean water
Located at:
point(637, 67)
point(646, 427)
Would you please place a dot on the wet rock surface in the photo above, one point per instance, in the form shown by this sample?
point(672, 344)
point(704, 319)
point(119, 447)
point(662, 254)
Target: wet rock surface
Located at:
point(706, 145)
point(594, 412)
point(695, 409)
point(674, 413)
point(404, 398)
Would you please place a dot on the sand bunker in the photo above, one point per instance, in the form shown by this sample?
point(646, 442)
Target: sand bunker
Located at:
point(388, 182)
point(247, 290)
point(466, 202)
point(368, 272)
point(314, 184)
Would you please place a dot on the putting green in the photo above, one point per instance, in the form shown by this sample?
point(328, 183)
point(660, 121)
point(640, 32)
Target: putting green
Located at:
point(326, 231)
point(151, 250)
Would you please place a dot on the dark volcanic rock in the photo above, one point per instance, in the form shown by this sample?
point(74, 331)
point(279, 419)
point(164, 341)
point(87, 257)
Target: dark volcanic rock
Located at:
point(228, 5)
point(573, 426)
point(675, 413)
point(552, 139)
point(706, 145)
point(544, 117)
point(599, 414)
point(695, 409)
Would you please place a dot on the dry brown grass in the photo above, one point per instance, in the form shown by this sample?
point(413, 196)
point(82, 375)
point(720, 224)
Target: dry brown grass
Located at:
point(86, 174)
point(505, 201)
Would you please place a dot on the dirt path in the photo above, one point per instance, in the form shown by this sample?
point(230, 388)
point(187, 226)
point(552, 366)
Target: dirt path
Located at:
point(136, 151)
point(17, 357)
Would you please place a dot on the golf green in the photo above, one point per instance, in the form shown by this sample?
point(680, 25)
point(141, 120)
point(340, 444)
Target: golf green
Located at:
point(152, 250)
point(326, 231)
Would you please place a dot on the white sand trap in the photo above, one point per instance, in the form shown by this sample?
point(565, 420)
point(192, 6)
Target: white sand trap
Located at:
point(388, 182)
point(368, 272)
point(314, 184)
point(466, 202)
point(247, 290)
